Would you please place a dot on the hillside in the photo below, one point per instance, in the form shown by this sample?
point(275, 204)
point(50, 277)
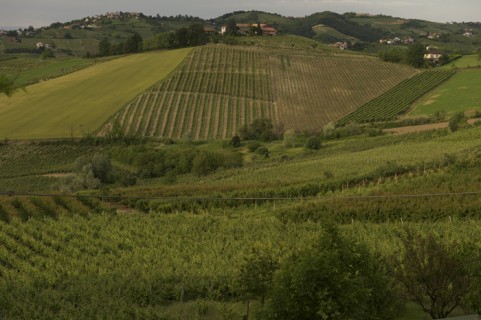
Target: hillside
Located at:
point(78, 103)
point(221, 88)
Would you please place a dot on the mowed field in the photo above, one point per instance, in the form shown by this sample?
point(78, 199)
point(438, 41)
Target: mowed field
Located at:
point(459, 94)
point(79, 103)
point(220, 88)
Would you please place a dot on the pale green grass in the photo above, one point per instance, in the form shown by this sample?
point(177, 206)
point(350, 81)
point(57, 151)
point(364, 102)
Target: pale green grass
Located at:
point(79, 103)
point(459, 94)
point(464, 62)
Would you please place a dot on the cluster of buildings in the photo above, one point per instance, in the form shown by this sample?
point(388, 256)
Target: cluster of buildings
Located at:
point(397, 40)
point(246, 28)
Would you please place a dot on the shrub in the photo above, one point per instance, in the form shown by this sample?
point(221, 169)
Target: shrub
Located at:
point(235, 142)
point(313, 143)
point(253, 146)
point(263, 151)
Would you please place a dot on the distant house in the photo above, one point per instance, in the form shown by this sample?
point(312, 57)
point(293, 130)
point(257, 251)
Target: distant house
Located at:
point(433, 56)
point(210, 30)
point(468, 33)
point(340, 45)
point(245, 29)
point(40, 45)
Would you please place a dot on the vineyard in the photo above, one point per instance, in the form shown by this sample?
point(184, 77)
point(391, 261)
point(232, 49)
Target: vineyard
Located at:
point(25, 208)
point(397, 100)
point(219, 89)
point(107, 266)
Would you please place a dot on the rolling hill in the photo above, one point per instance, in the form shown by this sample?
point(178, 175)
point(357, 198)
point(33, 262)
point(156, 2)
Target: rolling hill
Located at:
point(221, 88)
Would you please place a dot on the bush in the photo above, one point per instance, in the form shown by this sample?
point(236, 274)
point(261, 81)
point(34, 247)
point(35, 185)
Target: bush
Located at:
point(235, 142)
point(313, 143)
point(289, 138)
point(263, 151)
point(259, 129)
point(205, 162)
point(457, 121)
point(253, 146)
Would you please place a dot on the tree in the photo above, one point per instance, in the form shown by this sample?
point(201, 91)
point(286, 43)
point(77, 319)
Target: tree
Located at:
point(134, 43)
point(6, 86)
point(313, 143)
point(205, 162)
point(256, 273)
point(289, 138)
point(436, 274)
point(235, 141)
point(334, 278)
point(456, 121)
point(259, 129)
point(415, 55)
point(105, 48)
point(231, 28)
point(101, 167)
point(181, 37)
point(196, 35)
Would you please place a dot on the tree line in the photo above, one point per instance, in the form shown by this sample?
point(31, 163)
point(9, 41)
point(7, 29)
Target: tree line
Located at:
point(193, 35)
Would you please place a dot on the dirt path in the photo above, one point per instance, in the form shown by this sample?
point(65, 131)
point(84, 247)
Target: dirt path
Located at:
point(424, 127)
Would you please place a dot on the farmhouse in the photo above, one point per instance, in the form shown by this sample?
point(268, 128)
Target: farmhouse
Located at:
point(340, 45)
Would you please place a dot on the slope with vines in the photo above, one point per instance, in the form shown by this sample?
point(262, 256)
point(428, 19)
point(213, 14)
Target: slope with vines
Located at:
point(397, 100)
point(220, 88)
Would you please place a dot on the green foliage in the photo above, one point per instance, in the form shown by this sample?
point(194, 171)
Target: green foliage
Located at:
point(235, 142)
point(231, 28)
point(415, 55)
point(334, 278)
point(105, 48)
point(456, 121)
point(205, 163)
point(260, 129)
point(289, 138)
point(6, 85)
point(256, 273)
point(262, 151)
point(435, 273)
point(395, 55)
point(313, 143)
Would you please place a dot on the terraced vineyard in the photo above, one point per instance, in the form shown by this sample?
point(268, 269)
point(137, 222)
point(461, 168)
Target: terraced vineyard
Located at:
point(397, 100)
point(220, 88)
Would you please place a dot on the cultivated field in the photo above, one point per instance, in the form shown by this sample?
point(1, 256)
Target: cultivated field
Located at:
point(460, 94)
point(77, 104)
point(397, 100)
point(220, 88)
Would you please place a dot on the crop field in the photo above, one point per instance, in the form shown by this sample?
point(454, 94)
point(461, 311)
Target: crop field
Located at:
point(79, 103)
point(397, 100)
point(25, 208)
point(27, 71)
point(221, 88)
point(109, 266)
point(460, 94)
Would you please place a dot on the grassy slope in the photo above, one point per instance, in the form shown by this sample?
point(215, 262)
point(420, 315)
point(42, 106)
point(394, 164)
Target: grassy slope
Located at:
point(460, 93)
point(80, 102)
point(464, 62)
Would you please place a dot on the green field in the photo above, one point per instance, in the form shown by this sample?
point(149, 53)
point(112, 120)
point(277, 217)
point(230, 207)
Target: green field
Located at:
point(77, 104)
point(27, 71)
point(461, 93)
point(469, 61)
